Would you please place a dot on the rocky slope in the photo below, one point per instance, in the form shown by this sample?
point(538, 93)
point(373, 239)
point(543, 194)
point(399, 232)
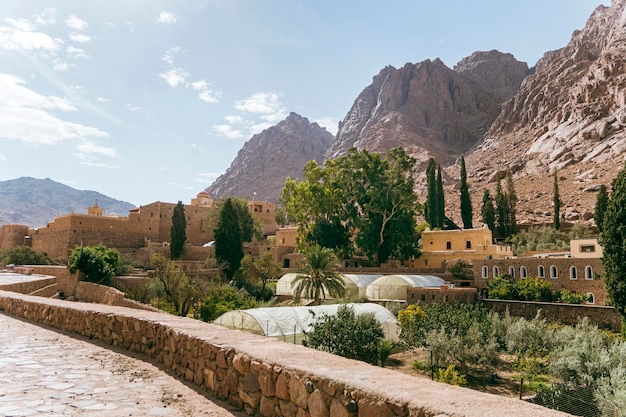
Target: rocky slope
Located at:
point(36, 202)
point(568, 116)
point(268, 158)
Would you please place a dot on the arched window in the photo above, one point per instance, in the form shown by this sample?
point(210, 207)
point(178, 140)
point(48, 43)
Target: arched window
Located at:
point(588, 272)
point(485, 272)
point(512, 271)
point(541, 271)
point(496, 271)
point(591, 299)
point(573, 272)
point(523, 272)
point(554, 272)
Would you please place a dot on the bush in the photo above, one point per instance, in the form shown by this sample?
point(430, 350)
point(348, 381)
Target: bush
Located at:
point(451, 376)
point(23, 255)
point(534, 289)
point(98, 263)
point(503, 287)
point(568, 297)
point(348, 335)
point(222, 299)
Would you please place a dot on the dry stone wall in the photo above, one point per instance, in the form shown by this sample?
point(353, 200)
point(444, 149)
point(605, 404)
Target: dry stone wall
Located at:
point(262, 376)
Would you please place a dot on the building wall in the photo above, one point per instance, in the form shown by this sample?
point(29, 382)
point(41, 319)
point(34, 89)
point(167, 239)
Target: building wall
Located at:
point(12, 235)
point(563, 279)
point(428, 296)
point(585, 248)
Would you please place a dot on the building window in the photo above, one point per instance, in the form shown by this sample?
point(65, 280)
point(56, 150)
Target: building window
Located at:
point(485, 272)
point(512, 271)
point(468, 244)
point(423, 297)
point(591, 299)
point(541, 271)
point(588, 272)
point(448, 245)
point(554, 272)
point(523, 272)
point(496, 271)
point(587, 248)
point(573, 272)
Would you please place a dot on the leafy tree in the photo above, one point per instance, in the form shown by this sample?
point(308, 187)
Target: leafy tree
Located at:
point(556, 203)
point(348, 335)
point(178, 234)
point(332, 234)
point(430, 209)
point(98, 263)
point(488, 212)
point(503, 287)
point(319, 276)
point(569, 297)
point(602, 201)
point(180, 290)
point(23, 255)
point(534, 289)
point(613, 240)
point(409, 319)
point(262, 270)
point(222, 299)
point(511, 198)
point(466, 201)
point(235, 226)
point(441, 204)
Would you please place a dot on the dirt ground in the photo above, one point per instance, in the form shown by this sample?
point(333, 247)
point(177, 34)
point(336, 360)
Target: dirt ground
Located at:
point(503, 383)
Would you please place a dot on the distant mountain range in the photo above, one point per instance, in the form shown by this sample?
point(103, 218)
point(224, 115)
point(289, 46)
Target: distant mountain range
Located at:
point(36, 202)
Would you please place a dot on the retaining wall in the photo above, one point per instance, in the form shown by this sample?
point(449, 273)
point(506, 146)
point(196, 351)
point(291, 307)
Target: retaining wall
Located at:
point(262, 376)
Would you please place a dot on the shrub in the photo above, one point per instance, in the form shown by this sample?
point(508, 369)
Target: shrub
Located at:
point(451, 376)
point(23, 255)
point(222, 299)
point(534, 289)
point(98, 263)
point(568, 297)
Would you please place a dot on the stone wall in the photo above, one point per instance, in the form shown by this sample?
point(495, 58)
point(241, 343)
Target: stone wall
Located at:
point(12, 235)
point(27, 287)
point(262, 376)
point(101, 294)
point(603, 317)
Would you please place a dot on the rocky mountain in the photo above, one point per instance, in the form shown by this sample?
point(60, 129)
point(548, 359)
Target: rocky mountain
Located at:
point(430, 109)
point(36, 202)
point(268, 158)
point(568, 116)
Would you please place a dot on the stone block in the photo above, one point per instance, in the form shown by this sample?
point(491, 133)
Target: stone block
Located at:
point(282, 386)
point(241, 362)
point(338, 410)
point(373, 408)
point(267, 407)
point(297, 391)
point(317, 405)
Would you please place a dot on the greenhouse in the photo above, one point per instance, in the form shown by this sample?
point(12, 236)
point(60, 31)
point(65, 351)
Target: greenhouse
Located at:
point(393, 287)
point(290, 323)
point(355, 284)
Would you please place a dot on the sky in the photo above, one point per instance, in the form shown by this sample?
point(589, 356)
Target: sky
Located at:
point(150, 100)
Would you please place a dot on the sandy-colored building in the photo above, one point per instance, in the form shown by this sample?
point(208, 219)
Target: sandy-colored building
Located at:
point(442, 246)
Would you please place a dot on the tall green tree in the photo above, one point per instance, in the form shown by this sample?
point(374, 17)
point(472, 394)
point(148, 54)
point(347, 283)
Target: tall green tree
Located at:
point(602, 201)
point(441, 203)
point(466, 200)
point(511, 198)
point(430, 208)
point(613, 240)
point(488, 212)
point(178, 234)
point(556, 203)
point(502, 212)
point(319, 276)
point(229, 238)
point(98, 263)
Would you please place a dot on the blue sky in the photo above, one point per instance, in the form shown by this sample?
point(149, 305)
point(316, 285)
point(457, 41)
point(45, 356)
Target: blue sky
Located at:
point(150, 100)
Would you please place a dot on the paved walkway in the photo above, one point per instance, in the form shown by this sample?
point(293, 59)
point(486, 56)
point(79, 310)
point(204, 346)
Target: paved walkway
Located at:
point(48, 373)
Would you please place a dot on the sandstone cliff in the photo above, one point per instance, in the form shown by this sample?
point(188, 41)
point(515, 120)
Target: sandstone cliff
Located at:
point(268, 158)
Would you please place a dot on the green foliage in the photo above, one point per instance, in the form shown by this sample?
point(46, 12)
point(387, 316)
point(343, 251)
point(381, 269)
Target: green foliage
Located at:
point(319, 276)
point(98, 263)
point(503, 287)
point(488, 212)
point(23, 255)
point(430, 209)
point(602, 202)
point(546, 238)
point(409, 320)
point(360, 194)
point(440, 199)
point(556, 203)
point(348, 335)
point(125, 265)
point(179, 290)
point(229, 236)
point(613, 240)
point(178, 235)
point(466, 200)
point(568, 297)
point(420, 365)
point(259, 271)
point(222, 299)
point(534, 289)
point(528, 338)
point(460, 270)
point(450, 376)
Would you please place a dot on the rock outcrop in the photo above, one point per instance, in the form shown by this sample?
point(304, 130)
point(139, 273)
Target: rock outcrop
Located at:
point(268, 158)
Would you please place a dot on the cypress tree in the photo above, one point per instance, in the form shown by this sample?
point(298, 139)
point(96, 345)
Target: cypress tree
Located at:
point(229, 239)
point(488, 212)
point(178, 234)
point(502, 212)
point(557, 203)
point(602, 201)
point(441, 204)
point(466, 201)
point(511, 199)
point(430, 208)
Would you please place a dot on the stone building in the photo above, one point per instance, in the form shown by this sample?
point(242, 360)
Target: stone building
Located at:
point(580, 270)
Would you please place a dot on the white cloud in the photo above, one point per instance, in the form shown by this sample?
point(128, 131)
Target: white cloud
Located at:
point(90, 147)
point(169, 55)
point(76, 53)
point(74, 22)
point(208, 96)
point(80, 37)
point(175, 76)
point(167, 17)
point(199, 85)
point(228, 131)
point(134, 108)
point(234, 119)
point(329, 123)
point(102, 100)
point(2, 157)
point(207, 177)
point(21, 36)
point(24, 116)
point(47, 17)
point(265, 104)
point(60, 65)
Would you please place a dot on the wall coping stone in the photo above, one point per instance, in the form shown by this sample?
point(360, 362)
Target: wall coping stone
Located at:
point(337, 377)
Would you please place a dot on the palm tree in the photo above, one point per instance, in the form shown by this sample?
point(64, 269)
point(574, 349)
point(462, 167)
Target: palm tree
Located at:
point(319, 276)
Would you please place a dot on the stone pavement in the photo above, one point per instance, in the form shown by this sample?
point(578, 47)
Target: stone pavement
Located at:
point(45, 372)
